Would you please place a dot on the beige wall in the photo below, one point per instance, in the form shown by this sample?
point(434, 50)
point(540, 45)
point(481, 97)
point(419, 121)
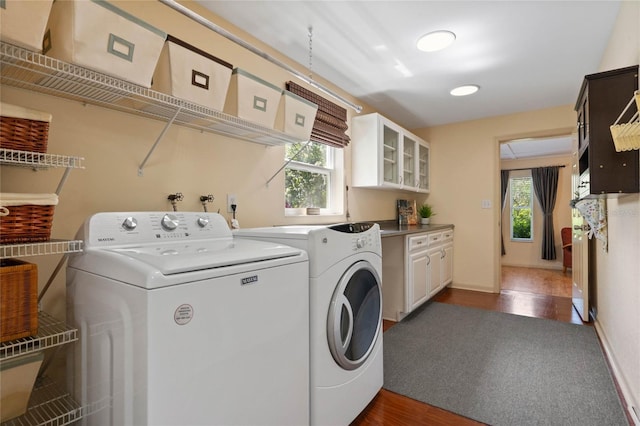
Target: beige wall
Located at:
point(465, 165)
point(618, 269)
point(528, 254)
point(188, 161)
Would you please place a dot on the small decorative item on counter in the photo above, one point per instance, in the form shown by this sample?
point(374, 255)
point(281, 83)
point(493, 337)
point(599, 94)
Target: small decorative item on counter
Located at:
point(407, 212)
point(425, 211)
point(18, 299)
point(26, 218)
point(313, 211)
point(23, 129)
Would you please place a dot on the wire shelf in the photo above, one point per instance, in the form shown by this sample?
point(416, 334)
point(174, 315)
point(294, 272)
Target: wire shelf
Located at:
point(48, 405)
point(29, 70)
point(38, 160)
point(40, 249)
point(51, 333)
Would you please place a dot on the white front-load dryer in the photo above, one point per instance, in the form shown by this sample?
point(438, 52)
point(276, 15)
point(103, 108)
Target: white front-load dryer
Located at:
point(345, 294)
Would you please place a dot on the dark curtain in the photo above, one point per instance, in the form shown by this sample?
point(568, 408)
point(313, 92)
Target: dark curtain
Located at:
point(504, 184)
point(545, 185)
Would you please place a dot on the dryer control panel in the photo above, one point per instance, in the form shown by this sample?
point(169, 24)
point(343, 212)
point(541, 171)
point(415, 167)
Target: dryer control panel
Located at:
point(352, 228)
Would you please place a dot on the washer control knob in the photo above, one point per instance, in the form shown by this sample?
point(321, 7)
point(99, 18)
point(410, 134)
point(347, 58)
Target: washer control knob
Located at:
point(169, 222)
point(360, 243)
point(130, 223)
point(203, 221)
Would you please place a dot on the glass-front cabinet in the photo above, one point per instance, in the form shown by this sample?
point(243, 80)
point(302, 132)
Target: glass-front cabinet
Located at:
point(408, 161)
point(390, 160)
point(386, 156)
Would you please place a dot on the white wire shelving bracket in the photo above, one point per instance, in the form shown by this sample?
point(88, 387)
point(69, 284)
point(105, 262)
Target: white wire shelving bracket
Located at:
point(29, 70)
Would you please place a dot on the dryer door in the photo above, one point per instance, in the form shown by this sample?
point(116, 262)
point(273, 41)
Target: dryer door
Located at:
point(355, 315)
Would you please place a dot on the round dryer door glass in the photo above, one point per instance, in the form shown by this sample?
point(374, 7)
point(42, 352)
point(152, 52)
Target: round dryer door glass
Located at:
point(355, 315)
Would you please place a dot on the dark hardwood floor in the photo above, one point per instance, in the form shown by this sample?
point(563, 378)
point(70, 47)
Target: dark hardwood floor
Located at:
point(525, 291)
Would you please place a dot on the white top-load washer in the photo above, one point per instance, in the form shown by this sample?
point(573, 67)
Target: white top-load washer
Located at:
point(345, 270)
point(182, 324)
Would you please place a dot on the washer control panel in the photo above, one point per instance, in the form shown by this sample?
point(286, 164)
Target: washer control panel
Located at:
point(113, 229)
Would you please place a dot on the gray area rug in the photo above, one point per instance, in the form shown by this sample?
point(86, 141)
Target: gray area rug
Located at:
point(501, 369)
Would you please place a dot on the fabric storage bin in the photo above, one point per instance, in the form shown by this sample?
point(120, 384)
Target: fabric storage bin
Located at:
point(253, 99)
point(98, 35)
point(17, 377)
point(24, 22)
point(186, 72)
point(296, 116)
point(23, 129)
point(26, 218)
point(18, 299)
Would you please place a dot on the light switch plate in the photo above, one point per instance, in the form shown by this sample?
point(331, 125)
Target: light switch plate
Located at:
point(486, 204)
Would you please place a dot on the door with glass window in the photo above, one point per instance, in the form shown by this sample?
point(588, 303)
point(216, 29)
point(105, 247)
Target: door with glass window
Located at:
point(355, 315)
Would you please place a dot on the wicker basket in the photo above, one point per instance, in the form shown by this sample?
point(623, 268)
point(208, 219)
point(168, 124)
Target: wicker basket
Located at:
point(18, 299)
point(27, 221)
point(23, 129)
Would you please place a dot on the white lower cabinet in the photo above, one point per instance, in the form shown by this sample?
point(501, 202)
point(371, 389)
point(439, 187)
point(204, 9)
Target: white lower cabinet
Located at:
point(414, 269)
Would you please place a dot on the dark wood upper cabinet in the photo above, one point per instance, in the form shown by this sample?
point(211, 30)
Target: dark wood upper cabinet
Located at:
point(602, 98)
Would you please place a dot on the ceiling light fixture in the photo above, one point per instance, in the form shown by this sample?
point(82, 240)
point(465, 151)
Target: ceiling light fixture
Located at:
point(436, 40)
point(468, 89)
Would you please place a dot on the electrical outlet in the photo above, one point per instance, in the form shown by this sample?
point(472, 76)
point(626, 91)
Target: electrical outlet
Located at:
point(231, 199)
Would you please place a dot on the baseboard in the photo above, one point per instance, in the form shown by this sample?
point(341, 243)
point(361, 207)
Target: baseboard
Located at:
point(632, 406)
point(552, 266)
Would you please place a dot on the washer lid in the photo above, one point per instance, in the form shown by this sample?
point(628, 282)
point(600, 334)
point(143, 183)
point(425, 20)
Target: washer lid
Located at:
point(187, 256)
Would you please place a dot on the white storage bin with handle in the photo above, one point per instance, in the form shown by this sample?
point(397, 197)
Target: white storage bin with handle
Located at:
point(98, 35)
point(296, 116)
point(23, 22)
point(186, 72)
point(252, 99)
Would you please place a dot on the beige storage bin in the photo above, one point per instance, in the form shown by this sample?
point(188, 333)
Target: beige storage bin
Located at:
point(17, 377)
point(253, 99)
point(186, 72)
point(98, 35)
point(296, 116)
point(23, 22)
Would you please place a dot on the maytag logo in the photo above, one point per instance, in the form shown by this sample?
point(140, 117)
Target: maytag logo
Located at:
point(249, 280)
point(106, 239)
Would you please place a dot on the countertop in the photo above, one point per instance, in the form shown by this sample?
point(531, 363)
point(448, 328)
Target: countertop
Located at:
point(390, 228)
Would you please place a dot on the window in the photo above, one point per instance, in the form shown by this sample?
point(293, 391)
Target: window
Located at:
point(521, 196)
point(313, 178)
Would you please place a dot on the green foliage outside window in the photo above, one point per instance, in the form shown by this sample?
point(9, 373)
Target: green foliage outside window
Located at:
point(522, 223)
point(521, 207)
point(304, 187)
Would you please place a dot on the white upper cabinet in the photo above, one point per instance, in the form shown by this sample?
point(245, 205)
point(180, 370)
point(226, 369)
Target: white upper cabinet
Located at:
point(384, 155)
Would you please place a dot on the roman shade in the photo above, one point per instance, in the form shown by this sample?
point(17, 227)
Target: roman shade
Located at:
point(331, 120)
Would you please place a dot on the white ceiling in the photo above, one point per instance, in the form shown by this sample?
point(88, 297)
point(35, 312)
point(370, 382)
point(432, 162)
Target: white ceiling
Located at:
point(525, 55)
